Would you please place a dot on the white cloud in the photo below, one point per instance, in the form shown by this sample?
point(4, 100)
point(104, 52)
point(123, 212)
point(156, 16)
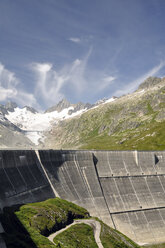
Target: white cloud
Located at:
point(106, 81)
point(109, 79)
point(50, 83)
point(10, 88)
point(23, 98)
point(75, 39)
point(134, 84)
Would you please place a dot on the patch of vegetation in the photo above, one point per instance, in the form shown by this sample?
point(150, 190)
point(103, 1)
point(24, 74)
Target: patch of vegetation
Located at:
point(112, 238)
point(148, 136)
point(81, 235)
point(28, 225)
point(150, 109)
point(155, 246)
point(77, 236)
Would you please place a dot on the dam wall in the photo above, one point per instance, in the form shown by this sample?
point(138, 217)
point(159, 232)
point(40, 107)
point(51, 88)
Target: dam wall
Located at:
point(22, 179)
point(74, 178)
point(126, 189)
point(133, 185)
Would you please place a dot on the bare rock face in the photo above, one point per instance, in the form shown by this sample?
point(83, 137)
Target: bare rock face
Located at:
point(11, 136)
point(32, 110)
point(10, 106)
point(79, 106)
point(3, 110)
point(63, 104)
point(149, 82)
point(60, 106)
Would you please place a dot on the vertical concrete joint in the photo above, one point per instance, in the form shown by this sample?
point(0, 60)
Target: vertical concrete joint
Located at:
point(53, 189)
point(136, 156)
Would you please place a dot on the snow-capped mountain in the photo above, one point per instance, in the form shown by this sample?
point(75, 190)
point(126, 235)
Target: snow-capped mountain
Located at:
point(35, 124)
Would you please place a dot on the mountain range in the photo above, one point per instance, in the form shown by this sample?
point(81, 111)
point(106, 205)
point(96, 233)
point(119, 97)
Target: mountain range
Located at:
point(133, 121)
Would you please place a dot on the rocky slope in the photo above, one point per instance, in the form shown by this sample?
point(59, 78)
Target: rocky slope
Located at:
point(133, 121)
point(11, 135)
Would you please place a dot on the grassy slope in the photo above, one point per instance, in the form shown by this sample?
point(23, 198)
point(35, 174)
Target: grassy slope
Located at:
point(80, 235)
point(39, 219)
point(131, 122)
point(155, 246)
point(112, 238)
point(28, 226)
point(136, 139)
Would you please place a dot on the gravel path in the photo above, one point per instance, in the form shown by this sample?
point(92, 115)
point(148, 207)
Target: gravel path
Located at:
point(93, 223)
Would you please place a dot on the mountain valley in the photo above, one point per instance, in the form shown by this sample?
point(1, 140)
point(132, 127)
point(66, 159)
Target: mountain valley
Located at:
point(130, 122)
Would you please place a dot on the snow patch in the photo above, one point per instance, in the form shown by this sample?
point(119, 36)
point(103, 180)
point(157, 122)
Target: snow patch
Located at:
point(110, 100)
point(104, 101)
point(141, 91)
point(34, 124)
point(34, 136)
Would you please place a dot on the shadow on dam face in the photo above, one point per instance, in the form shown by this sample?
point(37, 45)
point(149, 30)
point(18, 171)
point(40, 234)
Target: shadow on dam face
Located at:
point(126, 189)
point(15, 235)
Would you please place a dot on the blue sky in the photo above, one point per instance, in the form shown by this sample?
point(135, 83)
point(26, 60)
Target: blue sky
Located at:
point(82, 50)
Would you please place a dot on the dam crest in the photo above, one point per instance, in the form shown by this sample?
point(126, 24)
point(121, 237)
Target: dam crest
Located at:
point(125, 189)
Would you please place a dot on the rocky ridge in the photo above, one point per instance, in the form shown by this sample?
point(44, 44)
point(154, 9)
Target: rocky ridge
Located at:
point(133, 121)
point(64, 103)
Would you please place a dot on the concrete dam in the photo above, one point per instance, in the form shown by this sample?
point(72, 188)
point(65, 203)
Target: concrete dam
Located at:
point(125, 189)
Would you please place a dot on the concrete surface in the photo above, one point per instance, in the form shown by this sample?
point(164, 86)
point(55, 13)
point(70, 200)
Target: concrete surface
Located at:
point(22, 178)
point(126, 189)
point(2, 243)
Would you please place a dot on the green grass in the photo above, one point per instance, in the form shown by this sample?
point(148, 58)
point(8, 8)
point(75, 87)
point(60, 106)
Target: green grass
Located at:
point(150, 109)
point(155, 246)
point(77, 236)
point(126, 124)
point(148, 136)
point(28, 225)
point(112, 238)
point(82, 236)
point(35, 221)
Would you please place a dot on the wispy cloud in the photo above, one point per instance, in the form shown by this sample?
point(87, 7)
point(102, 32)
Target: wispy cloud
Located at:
point(8, 82)
point(75, 39)
point(10, 88)
point(50, 84)
point(105, 82)
point(134, 84)
point(109, 79)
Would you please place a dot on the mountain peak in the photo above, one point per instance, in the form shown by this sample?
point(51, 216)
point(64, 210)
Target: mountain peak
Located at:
point(10, 106)
point(149, 82)
point(59, 106)
point(34, 111)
